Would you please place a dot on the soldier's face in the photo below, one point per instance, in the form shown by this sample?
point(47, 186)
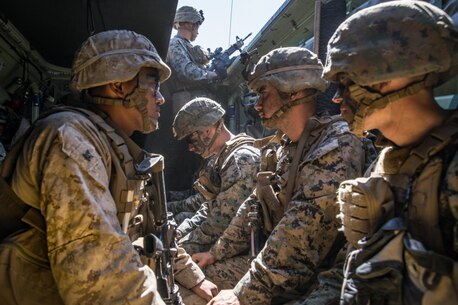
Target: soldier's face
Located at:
point(198, 141)
point(194, 31)
point(269, 101)
point(150, 99)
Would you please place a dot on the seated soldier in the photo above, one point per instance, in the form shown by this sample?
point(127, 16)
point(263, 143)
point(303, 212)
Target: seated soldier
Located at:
point(228, 178)
point(297, 200)
point(413, 215)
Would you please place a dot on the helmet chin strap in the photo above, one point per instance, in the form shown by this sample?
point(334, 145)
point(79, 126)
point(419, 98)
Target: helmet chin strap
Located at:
point(135, 99)
point(275, 118)
point(369, 101)
point(207, 146)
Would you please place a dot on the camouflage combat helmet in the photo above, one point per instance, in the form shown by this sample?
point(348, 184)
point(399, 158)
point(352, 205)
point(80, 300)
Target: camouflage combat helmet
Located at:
point(114, 56)
point(289, 70)
point(198, 114)
point(189, 14)
point(118, 56)
point(401, 39)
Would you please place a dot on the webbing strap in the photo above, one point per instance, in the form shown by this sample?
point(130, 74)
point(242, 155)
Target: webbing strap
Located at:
point(231, 146)
point(33, 216)
point(418, 158)
point(297, 157)
point(433, 144)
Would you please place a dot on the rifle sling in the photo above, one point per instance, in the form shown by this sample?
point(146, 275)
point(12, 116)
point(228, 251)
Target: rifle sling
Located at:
point(297, 157)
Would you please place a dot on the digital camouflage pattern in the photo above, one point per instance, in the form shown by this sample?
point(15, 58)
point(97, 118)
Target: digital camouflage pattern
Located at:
point(84, 258)
point(328, 286)
point(196, 115)
point(186, 208)
point(402, 39)
point(289, 69)
point(236, 177)
point(188, 14)
point(189, 69)
point(118, 56)
point(96, 64)
point(289, 261)
point(226, 273)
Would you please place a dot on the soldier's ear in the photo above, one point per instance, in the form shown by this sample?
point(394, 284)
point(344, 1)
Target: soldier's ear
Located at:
point(117, 89)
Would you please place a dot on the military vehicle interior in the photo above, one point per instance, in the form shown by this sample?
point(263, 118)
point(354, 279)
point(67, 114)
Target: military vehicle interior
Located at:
point(38, 40)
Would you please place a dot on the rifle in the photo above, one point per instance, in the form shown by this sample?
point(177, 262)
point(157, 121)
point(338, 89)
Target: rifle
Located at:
point(221, 59)
point(245, 59)
point(255, 224)
point(160, 245)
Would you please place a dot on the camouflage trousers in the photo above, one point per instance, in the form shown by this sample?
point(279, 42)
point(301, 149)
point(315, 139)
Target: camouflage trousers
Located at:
point(325, 291)
point(226, 274)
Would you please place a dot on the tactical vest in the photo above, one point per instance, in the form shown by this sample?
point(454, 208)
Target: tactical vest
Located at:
point(268, 147)
point(209, 182)
point(127, 188)
point(274, 189)
point(404, 259)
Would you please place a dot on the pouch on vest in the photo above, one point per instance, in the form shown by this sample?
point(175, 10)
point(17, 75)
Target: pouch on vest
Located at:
point(206, 187)
point(379, 275)
point(394, 268)
point(365, 204)
point(430, 278)
point(271, 208)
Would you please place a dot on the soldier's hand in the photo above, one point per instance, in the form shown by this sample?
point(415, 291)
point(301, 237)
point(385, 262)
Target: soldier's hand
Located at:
point(203, 259)
point(206, 290)
point(225, 297)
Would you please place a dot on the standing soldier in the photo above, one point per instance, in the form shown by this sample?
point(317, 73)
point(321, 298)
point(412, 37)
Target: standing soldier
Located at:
point(298, 199)
point(402, 220)
point(227, 179)
point(188, 62)
point(80, 190)
point(190, 79)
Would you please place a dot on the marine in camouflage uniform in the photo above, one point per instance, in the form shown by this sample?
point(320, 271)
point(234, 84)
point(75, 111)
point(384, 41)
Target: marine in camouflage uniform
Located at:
point(228, 179)
point(187, 208)
point(347, 110)
point(411, 48)
point(190, 76)
point(73, 172)
point(190, 79)
point(303, 223)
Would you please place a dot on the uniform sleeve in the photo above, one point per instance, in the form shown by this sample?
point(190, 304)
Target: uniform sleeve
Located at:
point(236, 238)
point(305, 234)
point(329, 284)
point(190, 224)
point(92, 260)
point(182, 65)
point(190, 204)
point(237, 183)
point(187, 273)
